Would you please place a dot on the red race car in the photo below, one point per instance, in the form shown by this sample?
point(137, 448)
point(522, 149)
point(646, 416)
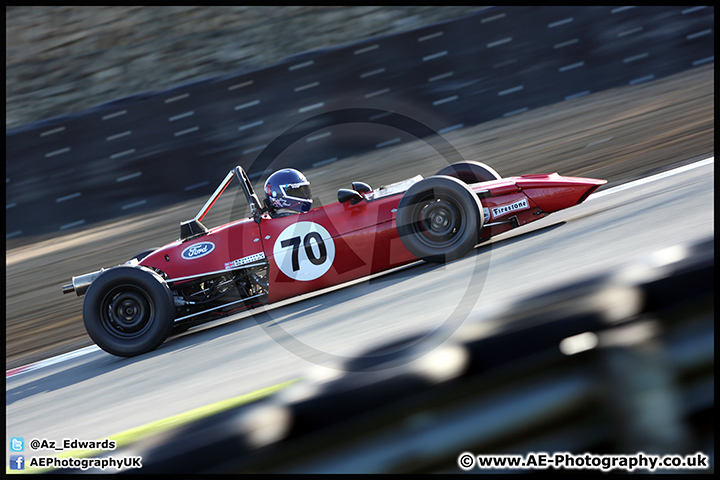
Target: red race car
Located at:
point(132, 308)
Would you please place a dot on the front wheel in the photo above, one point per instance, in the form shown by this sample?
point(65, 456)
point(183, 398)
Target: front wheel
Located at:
point(128, 311)
point(439, 219)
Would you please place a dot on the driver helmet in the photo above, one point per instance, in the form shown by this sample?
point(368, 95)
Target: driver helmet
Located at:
point(287, 191)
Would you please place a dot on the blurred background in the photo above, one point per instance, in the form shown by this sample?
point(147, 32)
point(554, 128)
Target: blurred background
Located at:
point(61, 60)
point(121, 120)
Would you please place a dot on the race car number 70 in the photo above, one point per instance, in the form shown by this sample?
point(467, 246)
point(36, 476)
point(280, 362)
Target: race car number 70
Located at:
point(304, 251)
point(294, 242)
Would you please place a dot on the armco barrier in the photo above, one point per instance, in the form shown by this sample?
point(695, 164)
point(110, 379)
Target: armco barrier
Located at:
point(154, 149)
point(622, 362)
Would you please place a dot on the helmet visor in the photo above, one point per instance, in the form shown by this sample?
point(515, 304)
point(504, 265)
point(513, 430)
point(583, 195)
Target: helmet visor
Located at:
point(297, 190)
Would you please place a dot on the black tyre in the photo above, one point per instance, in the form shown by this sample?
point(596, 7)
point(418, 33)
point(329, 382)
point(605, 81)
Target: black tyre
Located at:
point(439, 219)
point(128, 311)
point(470, 172)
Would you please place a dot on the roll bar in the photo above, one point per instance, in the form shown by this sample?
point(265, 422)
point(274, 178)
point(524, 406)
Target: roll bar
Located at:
point(194, 228)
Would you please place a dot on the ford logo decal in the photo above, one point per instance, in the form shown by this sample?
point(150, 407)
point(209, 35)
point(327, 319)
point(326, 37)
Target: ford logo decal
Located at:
point(197, 250)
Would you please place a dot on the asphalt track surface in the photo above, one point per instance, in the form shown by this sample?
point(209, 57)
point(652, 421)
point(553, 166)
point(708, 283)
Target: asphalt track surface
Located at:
point(97, 395)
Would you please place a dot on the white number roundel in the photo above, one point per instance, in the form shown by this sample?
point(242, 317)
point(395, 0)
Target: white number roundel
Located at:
point(304, 251)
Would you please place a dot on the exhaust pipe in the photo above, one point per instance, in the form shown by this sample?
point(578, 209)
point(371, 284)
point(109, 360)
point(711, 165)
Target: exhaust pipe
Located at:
point(81, 283)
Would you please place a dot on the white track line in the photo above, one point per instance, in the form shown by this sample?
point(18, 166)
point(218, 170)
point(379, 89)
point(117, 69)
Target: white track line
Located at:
point(94, 348)
point(652, 178)
point(51, 361)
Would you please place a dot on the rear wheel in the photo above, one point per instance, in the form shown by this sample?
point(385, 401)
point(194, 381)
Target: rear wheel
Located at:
point(439, 219)
point(128, 311)
point(470, 172)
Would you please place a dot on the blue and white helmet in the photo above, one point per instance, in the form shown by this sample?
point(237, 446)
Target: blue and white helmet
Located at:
point(288, 189)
